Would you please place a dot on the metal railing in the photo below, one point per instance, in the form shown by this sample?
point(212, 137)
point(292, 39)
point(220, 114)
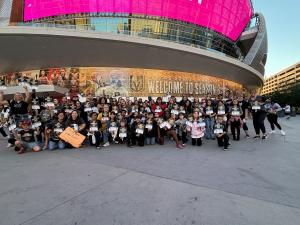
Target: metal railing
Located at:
point(201, 38)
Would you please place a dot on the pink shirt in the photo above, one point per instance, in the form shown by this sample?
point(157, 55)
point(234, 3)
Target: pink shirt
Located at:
point(197, 132)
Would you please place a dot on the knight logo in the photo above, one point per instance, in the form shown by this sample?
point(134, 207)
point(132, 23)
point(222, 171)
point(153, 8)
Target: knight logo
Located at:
point(137, 83)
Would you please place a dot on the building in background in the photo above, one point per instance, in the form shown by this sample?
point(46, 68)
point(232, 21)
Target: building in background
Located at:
point(282, 80)
point(5, 12)
point(135, 48)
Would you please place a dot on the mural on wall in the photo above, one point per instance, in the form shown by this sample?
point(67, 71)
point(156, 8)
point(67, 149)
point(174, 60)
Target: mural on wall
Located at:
point(127, 81)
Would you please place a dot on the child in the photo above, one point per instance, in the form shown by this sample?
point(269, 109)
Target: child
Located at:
point(94, 133)
point(235, 120)
point(137, 132)
point(113, 131)
point(220, 131)
point(170, 129)
point(209, 120)
point(197, 129)
point(181, 128)
point(53, 130)
point(26, 139)
point(161, 132)
point(103, 117)
point(150, 129)
point(122, 132)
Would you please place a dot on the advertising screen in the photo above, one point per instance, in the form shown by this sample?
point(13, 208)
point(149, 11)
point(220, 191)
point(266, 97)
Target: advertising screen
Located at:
point(228, 17)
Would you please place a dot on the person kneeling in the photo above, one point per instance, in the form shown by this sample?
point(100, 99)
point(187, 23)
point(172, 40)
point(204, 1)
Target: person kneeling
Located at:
point(197, 128)
point(25, 138)
point(220, 131)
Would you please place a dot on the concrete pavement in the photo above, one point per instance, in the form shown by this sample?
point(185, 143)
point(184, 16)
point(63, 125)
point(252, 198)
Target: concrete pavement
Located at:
point(255, 182)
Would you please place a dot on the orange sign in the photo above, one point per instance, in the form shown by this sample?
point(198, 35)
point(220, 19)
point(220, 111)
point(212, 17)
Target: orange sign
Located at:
point(72, 137)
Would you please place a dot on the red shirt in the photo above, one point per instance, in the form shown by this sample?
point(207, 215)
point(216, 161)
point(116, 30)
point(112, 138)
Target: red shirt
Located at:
point(162, 106)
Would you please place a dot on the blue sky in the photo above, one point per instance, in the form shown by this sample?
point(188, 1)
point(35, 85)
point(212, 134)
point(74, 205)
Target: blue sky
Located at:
point(282, 17)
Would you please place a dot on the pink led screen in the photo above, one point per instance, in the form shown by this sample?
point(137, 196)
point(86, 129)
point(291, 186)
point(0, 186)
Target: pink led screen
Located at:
point(228, 17)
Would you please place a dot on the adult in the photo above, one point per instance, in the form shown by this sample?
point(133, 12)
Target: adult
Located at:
point(18, 109)
point(76, 123)
point(159, 107)
point(259, 114)
point(53, 130)
point(245, 105)
point(273, 108)
point(287, 111)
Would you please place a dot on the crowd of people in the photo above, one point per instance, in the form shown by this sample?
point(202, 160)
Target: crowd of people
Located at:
point(36, 123)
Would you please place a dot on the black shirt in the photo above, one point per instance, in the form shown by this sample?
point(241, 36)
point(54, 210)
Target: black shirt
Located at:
point(222, 126)
point(71, 122)
point(244, 105)
point(27, 135)
point(56, 129)
point(18, 107)
point(97, 124)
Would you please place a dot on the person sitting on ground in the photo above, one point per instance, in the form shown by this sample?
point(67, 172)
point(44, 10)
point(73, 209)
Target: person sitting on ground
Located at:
point(53, 130)
point(76, 123)
point(25, 138)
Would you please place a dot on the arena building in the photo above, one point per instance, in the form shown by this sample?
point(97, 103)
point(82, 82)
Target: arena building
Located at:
point(134, 47)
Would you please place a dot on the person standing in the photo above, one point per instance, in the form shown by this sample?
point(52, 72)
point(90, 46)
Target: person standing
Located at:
point(245, 105)
point(235, 113)
point(209, 120)
point(259, 115)
point(287, 111)
point(272, 109)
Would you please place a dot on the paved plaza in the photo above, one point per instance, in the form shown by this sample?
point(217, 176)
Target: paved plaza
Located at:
point(257, 182)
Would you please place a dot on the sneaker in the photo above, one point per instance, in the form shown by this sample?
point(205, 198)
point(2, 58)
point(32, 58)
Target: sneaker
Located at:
point(183, 145)
point(9, 145)
point(247, 136)
point(264, 136)
point(98, 147)
point(21, 151)
point(225, 149)
point(256, 137)
point(106, 144)
point(272, 132)
point(282, 133)
point(179, 146)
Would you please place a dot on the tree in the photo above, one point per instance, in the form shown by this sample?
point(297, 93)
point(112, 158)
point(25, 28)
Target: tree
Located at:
point(289, 96)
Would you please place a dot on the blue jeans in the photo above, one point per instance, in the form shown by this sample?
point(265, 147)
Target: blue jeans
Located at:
point(209, 130)
point(54, 145)
point(105, 134)
point(150, 140)
point(29, 145)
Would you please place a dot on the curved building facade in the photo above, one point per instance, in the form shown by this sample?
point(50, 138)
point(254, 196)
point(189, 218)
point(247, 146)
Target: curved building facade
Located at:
point(138, 48)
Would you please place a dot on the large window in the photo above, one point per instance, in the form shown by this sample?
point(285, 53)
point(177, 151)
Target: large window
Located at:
point(152, 27)
point(228, 17)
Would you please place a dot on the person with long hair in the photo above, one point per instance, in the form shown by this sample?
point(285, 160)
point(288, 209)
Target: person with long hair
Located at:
point(259, 114)
point(272, 110)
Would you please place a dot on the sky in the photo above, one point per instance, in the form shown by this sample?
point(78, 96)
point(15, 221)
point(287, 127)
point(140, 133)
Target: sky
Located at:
point(283, 27)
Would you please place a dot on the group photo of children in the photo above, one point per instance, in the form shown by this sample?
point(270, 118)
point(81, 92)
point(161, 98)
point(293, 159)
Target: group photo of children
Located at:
point(34, 124)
